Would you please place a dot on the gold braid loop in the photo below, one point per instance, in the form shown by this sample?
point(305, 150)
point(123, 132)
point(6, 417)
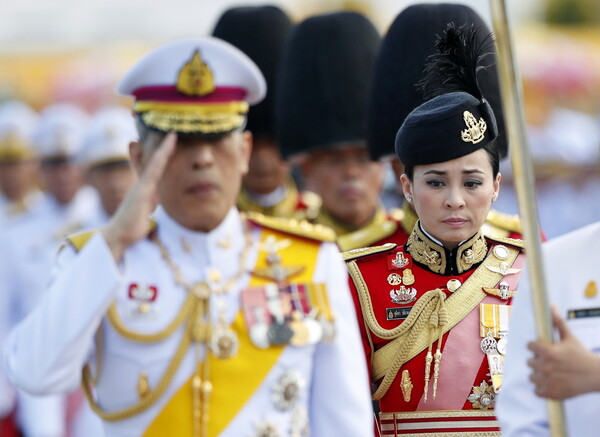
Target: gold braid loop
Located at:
point(117, 323)
point(418, 320)
point(163, 384)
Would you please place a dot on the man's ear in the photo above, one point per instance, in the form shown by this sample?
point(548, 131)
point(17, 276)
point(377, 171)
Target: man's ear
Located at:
point(246, 146)
point(136, 153)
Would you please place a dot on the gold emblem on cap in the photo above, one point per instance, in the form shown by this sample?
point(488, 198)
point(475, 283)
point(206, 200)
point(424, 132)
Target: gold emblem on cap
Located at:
point(195, 78)
point(475, 129)
point(591, 289)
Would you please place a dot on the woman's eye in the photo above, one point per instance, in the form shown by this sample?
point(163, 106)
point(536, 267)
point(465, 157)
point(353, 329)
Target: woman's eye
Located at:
point(436, 183)
point(472, 184)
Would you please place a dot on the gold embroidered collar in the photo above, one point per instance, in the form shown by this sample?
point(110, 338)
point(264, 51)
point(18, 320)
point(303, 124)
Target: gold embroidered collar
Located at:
point(443, 261)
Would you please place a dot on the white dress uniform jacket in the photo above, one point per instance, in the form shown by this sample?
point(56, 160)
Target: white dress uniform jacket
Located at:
point(571, 263)
point(45, 353)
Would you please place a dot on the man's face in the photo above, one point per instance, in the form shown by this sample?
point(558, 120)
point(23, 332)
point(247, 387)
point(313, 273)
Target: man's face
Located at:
point(17, 178)
point(112, 181)
point(202, 179)
point(267, 171)
point(62, 179)
point(348, 182)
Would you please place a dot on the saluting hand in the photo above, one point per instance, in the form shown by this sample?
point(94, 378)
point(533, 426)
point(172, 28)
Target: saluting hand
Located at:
point(564, 369)
point(130, 222)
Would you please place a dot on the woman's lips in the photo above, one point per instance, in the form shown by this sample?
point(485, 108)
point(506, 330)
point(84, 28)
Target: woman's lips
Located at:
point(456, 222)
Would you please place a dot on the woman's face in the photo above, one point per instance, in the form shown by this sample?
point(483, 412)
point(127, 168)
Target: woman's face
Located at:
point(453, 198)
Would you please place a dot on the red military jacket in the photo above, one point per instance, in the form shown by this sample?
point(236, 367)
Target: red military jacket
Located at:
point(412, 297)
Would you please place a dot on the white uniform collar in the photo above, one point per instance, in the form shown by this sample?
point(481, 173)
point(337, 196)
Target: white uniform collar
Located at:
point(209, 248)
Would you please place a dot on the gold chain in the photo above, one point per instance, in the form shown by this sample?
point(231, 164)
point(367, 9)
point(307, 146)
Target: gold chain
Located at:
point(201, 288)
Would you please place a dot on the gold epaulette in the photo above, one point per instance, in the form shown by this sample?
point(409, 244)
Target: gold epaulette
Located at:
point(397, 214)
point(365, 251)
point(367, 235)
point(507, 222)
point(509, 241)
point(79, 240)
point(301, 228)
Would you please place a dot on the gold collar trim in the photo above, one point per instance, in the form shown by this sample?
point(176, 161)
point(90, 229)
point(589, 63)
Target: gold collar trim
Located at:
point(442, 261)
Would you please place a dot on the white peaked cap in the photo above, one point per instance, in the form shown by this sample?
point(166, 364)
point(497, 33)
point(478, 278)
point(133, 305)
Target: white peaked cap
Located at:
point(108, 136)
point(60, 130)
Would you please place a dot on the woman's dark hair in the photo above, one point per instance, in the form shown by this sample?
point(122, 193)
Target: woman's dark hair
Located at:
point(493, 154)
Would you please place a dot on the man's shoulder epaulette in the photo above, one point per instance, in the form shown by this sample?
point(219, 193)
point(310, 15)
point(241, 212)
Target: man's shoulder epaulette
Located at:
point(301, 228)
point(508, 222)
point(508, 241)
point(368, 235)
point(397, 214)
point(77, 241)
point(366, 251)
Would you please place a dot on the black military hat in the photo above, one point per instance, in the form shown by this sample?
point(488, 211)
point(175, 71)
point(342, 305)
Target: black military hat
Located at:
point(400, 65)
point(457, 120)
point(325, 75)
point(259, 32)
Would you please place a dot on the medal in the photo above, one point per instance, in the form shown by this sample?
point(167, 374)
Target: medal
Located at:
point(489, 345)
point(408, 277)
point(224, 343)
point(315, 330)
point(394, 279)
point(259, 332)
point(501, 346)
point(403, 295)
point(496, 365)
point(279, 334)
point(299, 329)
point(399, 261)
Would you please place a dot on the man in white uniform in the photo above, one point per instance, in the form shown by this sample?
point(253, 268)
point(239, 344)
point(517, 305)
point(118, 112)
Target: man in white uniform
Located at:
point(206, 323)
point(572, 277)
point(105, 160)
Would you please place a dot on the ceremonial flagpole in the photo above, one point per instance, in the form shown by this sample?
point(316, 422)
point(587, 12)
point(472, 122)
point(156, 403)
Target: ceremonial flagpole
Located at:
point(524, 184)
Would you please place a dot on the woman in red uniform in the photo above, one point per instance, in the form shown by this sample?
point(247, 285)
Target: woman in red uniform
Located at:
point(436, 309)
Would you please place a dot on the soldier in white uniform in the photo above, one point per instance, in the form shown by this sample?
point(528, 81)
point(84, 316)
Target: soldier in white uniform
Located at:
point(572, 277)
point(200, 322)
point(19, 165)
point(29, 247)
point(105, 159)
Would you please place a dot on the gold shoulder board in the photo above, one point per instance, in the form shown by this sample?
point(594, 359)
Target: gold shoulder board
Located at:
point(508, 222)
point(365, 251)
point(509, 241)
point(397, 214)
point(301, 228)
point(77, 241)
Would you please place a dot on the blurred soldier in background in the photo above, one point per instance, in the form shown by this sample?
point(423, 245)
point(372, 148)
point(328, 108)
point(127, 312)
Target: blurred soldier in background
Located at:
point(106, 162)
point(268, 188)
point(29, 246)
point(321, 123)
point(398, 69)
point(19, 165)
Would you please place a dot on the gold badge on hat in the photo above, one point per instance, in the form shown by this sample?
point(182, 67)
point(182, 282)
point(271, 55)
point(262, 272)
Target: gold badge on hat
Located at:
point(475, 129)
point(591, 289)
point(195, 78)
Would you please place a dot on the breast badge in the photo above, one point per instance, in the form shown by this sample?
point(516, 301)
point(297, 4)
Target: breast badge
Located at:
point(403, 295)
point(142, 297)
